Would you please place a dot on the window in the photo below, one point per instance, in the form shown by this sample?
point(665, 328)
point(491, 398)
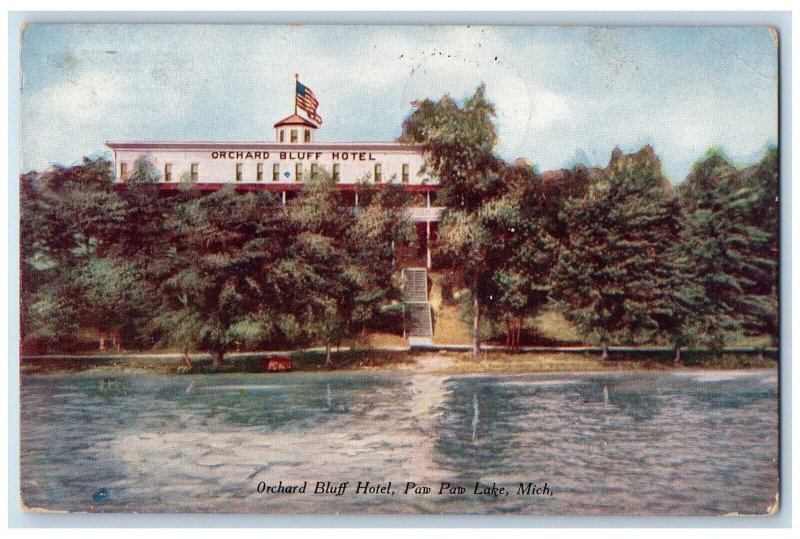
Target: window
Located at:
point(314, 171)
point(193, 174)
point(298, 172)
point(239, 167)
point(293, 135)
point(276, 172)
point(378, 173)
point(280, 135)
point(168, 172)
point(123, 171)
point(405, 172)
point(337, 175)
point(307, 135)
point(259, 172)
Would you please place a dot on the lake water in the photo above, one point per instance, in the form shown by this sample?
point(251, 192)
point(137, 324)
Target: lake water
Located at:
point(655, 443)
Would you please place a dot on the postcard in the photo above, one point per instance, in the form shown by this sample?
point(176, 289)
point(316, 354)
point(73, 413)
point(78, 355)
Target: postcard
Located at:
point(524, 270)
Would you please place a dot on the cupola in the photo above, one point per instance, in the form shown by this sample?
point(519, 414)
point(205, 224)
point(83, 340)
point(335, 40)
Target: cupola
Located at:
point(295, 129)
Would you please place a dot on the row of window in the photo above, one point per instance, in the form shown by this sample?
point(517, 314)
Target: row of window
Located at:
point(315, 170)
point(276, 172)
point(193, 171)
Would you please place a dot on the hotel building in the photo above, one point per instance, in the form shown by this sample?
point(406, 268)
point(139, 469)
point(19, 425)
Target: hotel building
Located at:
point(284, 165)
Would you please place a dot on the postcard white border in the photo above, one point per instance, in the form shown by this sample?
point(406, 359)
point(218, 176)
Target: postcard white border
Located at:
point(18, 519)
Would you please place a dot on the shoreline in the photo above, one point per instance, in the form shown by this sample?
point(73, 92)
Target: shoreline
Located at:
point(394, 361)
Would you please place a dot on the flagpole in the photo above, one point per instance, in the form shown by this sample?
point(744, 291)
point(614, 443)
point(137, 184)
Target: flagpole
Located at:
point(296, 80)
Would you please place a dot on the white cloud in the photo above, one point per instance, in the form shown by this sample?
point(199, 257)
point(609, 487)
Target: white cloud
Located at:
point(88, 108)
point(81, 96)
point(555, 89)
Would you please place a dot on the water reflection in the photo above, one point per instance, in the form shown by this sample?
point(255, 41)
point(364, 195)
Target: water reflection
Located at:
point(477, 425)
point(328, 396)
point(610, 443)
point(112, 387)
point(474, 416)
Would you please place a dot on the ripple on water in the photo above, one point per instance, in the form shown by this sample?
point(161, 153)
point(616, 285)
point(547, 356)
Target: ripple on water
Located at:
point(615, 443)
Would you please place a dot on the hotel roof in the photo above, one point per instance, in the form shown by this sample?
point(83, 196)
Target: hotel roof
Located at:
point(261, 144)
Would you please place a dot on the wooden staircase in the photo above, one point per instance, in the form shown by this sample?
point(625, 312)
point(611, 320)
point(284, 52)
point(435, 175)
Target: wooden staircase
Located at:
point(417, 310)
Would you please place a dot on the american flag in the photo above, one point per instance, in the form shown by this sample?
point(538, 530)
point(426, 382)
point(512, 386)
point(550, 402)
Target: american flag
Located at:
point(306, 100)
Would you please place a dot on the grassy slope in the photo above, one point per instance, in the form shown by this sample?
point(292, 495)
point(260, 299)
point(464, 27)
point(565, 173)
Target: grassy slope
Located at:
point(447, 326)
point(450, 329)
point(551, 326)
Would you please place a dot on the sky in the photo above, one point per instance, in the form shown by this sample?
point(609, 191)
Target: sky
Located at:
point(562, 94)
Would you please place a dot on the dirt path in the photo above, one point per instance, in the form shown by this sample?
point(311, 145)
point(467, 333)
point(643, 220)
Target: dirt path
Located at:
point(433, 362)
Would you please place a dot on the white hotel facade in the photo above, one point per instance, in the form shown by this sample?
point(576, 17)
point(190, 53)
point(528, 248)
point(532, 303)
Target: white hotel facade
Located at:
point(284, 165)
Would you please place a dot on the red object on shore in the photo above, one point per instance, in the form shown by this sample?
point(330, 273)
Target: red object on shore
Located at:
point(276, 364)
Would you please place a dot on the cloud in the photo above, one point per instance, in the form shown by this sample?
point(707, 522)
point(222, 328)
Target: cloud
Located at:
point(555, 89)
point(63, 114)
point(81, 97)
point(89, 107)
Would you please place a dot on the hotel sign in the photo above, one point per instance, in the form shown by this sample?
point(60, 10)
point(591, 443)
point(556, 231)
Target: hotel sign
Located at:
point(292, 156)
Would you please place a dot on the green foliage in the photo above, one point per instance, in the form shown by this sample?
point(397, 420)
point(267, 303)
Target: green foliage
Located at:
point(522, 283)
point(341, 261)
point(379, 227)
point(763, 181)
point(727, 253)
point(640, 264)
point(763, 214)
point(627, 257)
point(458, 143)
point(50, 314)
point(70, 217)
point(612, 276)
point(223, 271)
point(69, 212)
point(113, 298)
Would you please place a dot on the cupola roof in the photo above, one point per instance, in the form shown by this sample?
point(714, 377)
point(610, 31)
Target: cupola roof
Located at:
point(296, 119)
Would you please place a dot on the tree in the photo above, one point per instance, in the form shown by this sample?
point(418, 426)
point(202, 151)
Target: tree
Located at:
point(557, 189)
point(50, 312)
point(681, 315)
point(458, 143)
point(612, 277)
point(142, 239)
point(71, 212)
point(526, 253)
point(764, 215)
point(728, 255)
point(147, 242)
point(116, 299)
point(325, 279)
point(224, 276)
point(341, 260)
point(380, 226)
point(71, 218)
